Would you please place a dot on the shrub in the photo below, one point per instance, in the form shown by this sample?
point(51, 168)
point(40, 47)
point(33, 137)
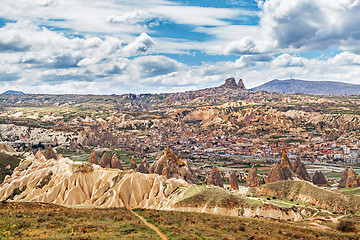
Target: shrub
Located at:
point(346, 226)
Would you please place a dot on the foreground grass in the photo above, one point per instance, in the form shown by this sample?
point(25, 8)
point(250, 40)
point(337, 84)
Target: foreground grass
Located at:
point(186, 225)
point(49, 221)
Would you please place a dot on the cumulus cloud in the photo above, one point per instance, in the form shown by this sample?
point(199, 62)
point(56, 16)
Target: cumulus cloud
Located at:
point(150, 66)
point(140, 46)
point(243, 46)
point(129, 17)
point(345, 58)
point(252, 60)
point(286, 60)
point(311, 24)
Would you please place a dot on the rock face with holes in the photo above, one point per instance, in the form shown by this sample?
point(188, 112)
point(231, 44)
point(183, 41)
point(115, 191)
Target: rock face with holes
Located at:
point(214, 178)
point(64, 181)
point(252, 179)
point(172, 166)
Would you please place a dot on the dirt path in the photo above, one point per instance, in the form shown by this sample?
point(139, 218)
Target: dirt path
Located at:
point(161, 234)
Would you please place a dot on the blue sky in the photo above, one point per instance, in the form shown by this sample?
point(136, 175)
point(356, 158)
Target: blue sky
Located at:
point(120, 46)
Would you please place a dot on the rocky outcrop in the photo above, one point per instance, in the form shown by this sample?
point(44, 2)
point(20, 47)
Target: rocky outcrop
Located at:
point(252, 179)
point(233, 179)
point(300, 170)
point(144, 166)
point(92, 158)
point(343, 179)
point(50, 153)
point(282, 171)
point(175, 166)
point(105, 161)
point(133, 163)
point(66, 182)
point(275, 174)
point(55, 141)
point(319, 179)
point(351, 181)
point(73, 145)
point(40, 154)
point(6, 148)
point(214, 178)
point(115, 162)
point(285, 162)
point(241, 85)
point(231, 83)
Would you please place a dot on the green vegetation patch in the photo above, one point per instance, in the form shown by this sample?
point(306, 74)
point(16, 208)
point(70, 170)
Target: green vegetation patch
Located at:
point(351, 191)
point(188, 225)
point(214, 197)
point(50, 221)
point(293, 190)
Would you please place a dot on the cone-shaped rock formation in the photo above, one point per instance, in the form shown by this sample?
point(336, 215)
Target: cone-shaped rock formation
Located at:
point(40, 154)
point(175, 166)
point(252, 179)
point(282, 171)
point(115, 162)
point(66, 182)
point(343, 179)
point(214, 178)
point(300, 170)
point(133, 163)
point(105, 161)
point(50, 153)
point(144, 166)
point(92, 158)
point(319, 179)
point(233, 180)
point(351, 181)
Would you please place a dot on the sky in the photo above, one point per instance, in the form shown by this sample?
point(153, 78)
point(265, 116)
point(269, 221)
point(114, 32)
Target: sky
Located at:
point(154, 46)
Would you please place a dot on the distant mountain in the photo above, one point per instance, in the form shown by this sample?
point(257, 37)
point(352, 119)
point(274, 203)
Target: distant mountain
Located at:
point(310, 87)
point(13, 92)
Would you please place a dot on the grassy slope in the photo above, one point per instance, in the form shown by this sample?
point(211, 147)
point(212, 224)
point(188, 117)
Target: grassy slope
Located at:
point(5, 160)
point(283, 190)
point(351, 191)
point(214, 197)
point(187, 225)
point(50, 221)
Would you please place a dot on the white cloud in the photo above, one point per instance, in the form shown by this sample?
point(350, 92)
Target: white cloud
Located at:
point(345, 58)
point(152, 66)
point(286, 60)
point(140, 46)
point(129, 17)
point(311, 24)
point(243, 46)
